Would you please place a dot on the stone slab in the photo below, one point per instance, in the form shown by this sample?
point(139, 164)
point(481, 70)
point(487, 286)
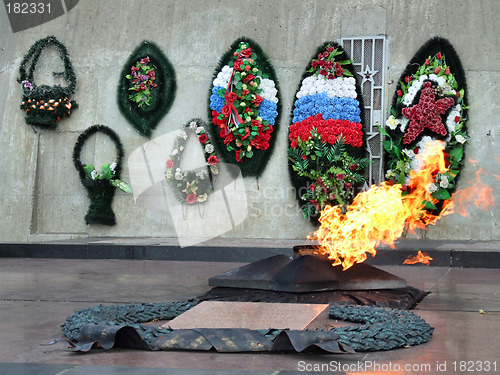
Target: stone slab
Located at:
point(252, 315)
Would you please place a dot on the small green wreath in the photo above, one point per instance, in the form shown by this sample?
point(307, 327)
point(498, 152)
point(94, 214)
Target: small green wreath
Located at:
point(194, 186)
point(100, 185)
point(45, 105)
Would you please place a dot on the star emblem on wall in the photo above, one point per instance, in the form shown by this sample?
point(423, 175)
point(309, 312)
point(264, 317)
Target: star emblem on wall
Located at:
point(426, 114)
point(367, 74)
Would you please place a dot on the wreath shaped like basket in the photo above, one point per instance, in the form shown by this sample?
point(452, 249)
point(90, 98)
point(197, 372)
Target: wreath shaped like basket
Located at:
point(194, 186)
point(100, 186)
point(45, 105)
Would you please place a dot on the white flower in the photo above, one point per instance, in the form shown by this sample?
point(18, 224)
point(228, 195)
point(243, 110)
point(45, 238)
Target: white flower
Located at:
point(202, 174)
point(175, 152)
point(214, 169)
point(192, 125)
point(209, 148)
point(178, 176)
point(112, 166)
point(392, 123)
point(432, 188)
point(168, 174)
point(460, 138)
point(183, 134)
point(199, 129)
point(181, 148)
point(409, 153)
point(389, 174)
point(93, 174)
point(202, 197)
point(444, 182)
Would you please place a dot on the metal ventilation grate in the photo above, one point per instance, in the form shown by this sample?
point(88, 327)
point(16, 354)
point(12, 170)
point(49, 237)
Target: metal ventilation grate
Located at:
point(369, 57)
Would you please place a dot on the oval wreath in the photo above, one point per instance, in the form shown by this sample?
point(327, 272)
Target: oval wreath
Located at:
point(244, 106)
point(326, 135)
point(147, 87)
point(429, 104)
point(194, 186)
point(45, 105)
point(100, 185)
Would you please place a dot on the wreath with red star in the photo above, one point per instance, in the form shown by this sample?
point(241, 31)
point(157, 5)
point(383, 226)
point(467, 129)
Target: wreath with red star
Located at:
point(429, 104)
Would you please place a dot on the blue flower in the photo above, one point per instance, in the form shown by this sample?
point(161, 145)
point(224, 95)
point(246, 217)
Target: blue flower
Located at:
point(268, 111)
point(216, 102)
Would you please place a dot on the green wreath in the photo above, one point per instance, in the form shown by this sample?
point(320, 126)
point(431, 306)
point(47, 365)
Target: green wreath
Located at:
point(194, 186)
point(100, 185)
point(45, 105)
point(147, 87)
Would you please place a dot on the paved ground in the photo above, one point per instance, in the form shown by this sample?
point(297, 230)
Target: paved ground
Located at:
point(36, 295)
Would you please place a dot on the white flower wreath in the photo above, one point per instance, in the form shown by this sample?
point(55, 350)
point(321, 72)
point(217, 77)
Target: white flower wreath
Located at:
point(194, 186)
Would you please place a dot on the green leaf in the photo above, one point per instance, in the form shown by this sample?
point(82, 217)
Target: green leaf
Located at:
point(344, 62)
point(441, 194)
point(249, 154)
point(122, 185)
point(382, 130)
point(456, 154)
point(238, 85)
point(429, 205)
point(88, 169)
point(106, 173)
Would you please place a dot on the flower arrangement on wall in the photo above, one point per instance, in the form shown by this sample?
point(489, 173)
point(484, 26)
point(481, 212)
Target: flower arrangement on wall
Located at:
point(429, 104)
point(194, 186)
point(244, 107)
point(147, 87)
point(326, 135)
point(45, 105)
point(100, 184)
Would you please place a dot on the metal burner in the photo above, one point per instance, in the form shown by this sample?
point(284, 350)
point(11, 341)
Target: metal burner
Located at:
point(306, 273)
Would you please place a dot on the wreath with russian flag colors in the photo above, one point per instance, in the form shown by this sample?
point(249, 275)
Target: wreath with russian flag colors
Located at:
point(244, 107)
point(429, 104)
point(326, 136)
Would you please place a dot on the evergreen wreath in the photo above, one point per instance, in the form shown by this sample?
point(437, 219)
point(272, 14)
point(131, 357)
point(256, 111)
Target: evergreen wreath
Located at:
point(430, 104)
point(45, 105)
point(194, 186)
point(100, 185)
point(244, 106)
point(326, 154)
point(147, 87)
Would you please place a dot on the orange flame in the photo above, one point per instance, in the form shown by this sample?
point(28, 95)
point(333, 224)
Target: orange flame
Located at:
point(381, 214)
point(478, 194)
point(419, 258)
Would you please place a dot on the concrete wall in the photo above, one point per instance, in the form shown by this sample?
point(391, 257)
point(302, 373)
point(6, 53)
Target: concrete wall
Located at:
point(41, 196)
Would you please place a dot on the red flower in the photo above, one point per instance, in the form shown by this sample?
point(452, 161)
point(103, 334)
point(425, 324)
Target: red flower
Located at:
point(312, 187)
point(231, 97)
point(458, 94)
point(447, 71)
point(203, 138)
point(340, 177)
point(437, 70)
point(304, 157)
point(427, 62)
point(330, 49)
point(293, 144)
point(191, 198)
point(143, 87)
point(390, 182)
point(323, 72)
point(408, 79)
point(348, 185)
point(144, 60)
point(439, 56)
point(170, 163)
point(457, 119)
point(258, 99)
point(229, 138)
point(246, 52)
point(213, 160)
point(238, 156)
point(416, 150)
point(247, 67)
point(353, 167)
point(248, 77)
point(400, 93)
point(134, 69)
point(226, 110)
